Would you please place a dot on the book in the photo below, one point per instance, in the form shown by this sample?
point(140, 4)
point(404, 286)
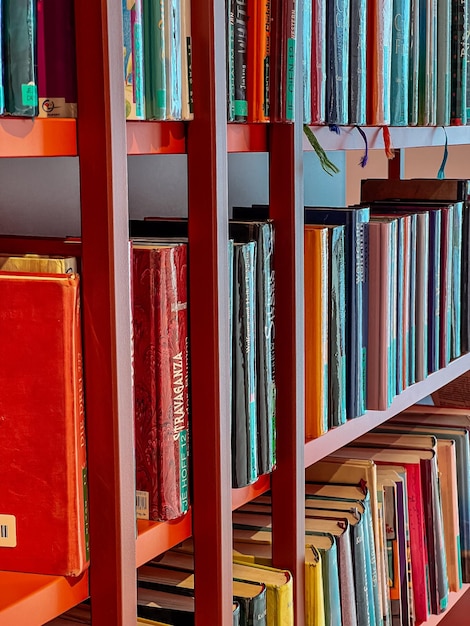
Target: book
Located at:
point(413, 105)
point(56, 73)
point(244, 396)
point(318, 62)
point(379, 61)
point(230, 59)
point(250, 595)
point(282, 60)
point(173, 61)
point(160, 333)
point(262, 233)
point(444, 74)
point(240, 53)
point(19, 58)
point(458, 102)
point(307, 45)
point(133, 59)
point(186, 62)
point(316, 295)
point(155, 80)
point(37, 263)
point(2, 88)
point(427, 76)
point(337, 62)
point(355, 220)
point(400, 63)
point(258, 60)
point(43, 376)
point(357, 62)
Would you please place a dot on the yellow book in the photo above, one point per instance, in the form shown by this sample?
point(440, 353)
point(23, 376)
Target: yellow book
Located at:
point(38, 264)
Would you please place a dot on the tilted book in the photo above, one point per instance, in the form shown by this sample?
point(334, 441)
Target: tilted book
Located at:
point(43, 463)
point(160, 335)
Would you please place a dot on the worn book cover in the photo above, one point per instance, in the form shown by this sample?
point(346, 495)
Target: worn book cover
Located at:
point(57, 83)
point(160, 334)
point(43, 426)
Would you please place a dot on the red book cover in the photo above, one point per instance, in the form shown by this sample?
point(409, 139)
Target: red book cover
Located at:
point(159, 304)
point(43, 499)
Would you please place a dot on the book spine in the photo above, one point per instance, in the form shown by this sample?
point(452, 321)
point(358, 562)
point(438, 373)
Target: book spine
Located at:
point(406, 300)
point(434, 314)
point(186, 64)
point(400, 62)
point(458, 106)
point(392, 321)
point(444, 38)
point(283, 54)
point(154, 60)
point(332, 598)
point(307, 69)
point(133, 60)
point(173, 67)
point(263, 105)
point(2, 69)
point(414, 64)
point(346, 574)
point(240, 14)
point(318, 62)
point(412, 298)
point(290, 24)
point(365, 607)
point(465, 270)
point(337, 334)
point(427, 62)
point(20, 62)
point(422, 273)
point(230, 61)
point(446, 285)
point(456, 323)
point(259, 27)
point(337, 61)
point(379, 42)
point(362, 305)
point(357, 62)
point(244, 413)
point(400, 326)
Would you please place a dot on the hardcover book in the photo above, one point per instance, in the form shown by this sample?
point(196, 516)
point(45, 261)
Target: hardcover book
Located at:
point(357, 62)
point(20, 58)
point(282, 64)
point(459, 62)
point(337, 61)
point(444, 75)
point(186, 63)
point(258, 61)
point(379, 61)
point(173, 62)
point(133, 59)
point(400, 63)
point(318, 62)
point(43, 426)
point(155, 80)
point(159, 309)
point(240, 55)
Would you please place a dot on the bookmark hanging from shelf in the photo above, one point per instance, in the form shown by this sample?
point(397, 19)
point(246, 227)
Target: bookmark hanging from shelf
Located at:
point(441, 172)
point(335, 128)
point(365, 156)
point(329, 167)
point(389, 150)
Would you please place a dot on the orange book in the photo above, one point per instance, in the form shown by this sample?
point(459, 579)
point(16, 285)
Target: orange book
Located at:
point(259, 31)
point(379, 61)
point(43, 501)
point(316, 330)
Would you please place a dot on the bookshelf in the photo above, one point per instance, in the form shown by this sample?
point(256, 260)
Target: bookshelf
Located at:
point(102, 140)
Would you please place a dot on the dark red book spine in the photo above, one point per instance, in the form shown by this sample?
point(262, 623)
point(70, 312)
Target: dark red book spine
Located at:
point(161, 381)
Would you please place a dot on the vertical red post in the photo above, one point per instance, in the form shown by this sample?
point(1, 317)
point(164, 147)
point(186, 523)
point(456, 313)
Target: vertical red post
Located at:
point(209, 337)
point(106, 311)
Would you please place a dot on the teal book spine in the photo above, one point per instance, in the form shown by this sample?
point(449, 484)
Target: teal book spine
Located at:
point(133, 60)
point(337, 61)
point(307, 73)
point(427, 63)
point(444, 38)
point(422, 282)
point(400, 63)
point(456, 281)
point(173, 66)
point(357, 62)
point(19, 58)
point(400, 328)
point(413, 78)
point(434, 313)
point(412, 300)
point(318, 63)
point(154, 60)
point(459, 62)
point(337, 351)
point(331, 591)
point(244, 397)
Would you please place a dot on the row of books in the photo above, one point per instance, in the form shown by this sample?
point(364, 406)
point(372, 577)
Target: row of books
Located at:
point(81, 614)
point(385, 523)
point(385, 62)
point(251, 323)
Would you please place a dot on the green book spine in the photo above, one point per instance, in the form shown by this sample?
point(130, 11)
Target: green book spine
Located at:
point(19, 58)
point(154, 60)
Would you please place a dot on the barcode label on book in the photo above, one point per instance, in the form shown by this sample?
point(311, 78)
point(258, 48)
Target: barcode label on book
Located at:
point(142, 504)
point(7, 531)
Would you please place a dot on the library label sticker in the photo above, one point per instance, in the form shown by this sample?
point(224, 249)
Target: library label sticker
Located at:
point(142, 504)
point(7, 531)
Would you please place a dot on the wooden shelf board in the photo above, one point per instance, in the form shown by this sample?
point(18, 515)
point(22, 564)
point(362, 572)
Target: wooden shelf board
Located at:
point(156, 137)
point(247, 137)
point(338, 437)
point(154, 538)
point(44, 597)
point(402, 137)
point(22, 137)
point(246, 494)
point(448, 617)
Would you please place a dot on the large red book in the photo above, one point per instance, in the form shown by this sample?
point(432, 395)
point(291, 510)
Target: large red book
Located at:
point(159, 307)
point(43, 495)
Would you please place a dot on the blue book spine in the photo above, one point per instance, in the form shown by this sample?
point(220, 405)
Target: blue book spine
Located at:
point(337, 61)
point(357, 62)
point(412, 300)
point(330, 569)
point(414, 64)
point(307, 61)
point(456, 280)
point(434, 294)
point(337, 355)
point(173, 61)
point(400, 62)
point(400, 384)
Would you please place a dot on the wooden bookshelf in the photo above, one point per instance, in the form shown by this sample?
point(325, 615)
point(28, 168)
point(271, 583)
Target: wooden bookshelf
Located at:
point(457, 611)
point(27, 599)
point(21, 137)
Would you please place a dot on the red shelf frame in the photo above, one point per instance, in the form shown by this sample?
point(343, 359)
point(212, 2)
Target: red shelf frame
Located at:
point(247, 494)
point(152, 137)
point(154, 538)
point(247, 137)
point(21, 137)
point(317, 449)
point(44, 597)
point(457, 611)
